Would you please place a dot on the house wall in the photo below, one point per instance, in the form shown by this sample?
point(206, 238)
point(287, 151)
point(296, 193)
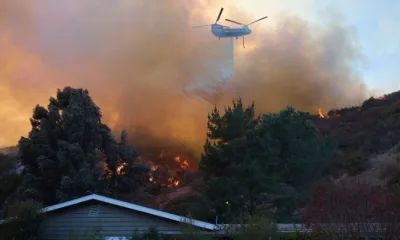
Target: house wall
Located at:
point(109, 220)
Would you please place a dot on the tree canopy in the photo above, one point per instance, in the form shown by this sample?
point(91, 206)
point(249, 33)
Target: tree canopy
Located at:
point(69, 152)
point(250, 163)
point(265, 162)
point(9, 178)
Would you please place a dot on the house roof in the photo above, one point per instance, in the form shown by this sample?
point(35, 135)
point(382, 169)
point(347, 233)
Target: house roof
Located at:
point(131, 206)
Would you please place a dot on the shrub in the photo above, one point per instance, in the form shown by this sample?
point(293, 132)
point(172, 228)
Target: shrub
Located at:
point(353, 210)
point(150, 234)
point(22, 221)
point(254, 227)
point(191, 203)
point(86, 235)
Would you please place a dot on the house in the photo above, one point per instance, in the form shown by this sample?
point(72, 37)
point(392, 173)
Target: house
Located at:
point(115, 219)
point(112, 218)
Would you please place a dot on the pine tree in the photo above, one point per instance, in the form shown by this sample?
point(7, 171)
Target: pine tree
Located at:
point(68, 149)
point(231, 127)
point(268, 161)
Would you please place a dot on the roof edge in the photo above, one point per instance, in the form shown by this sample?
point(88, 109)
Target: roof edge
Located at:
point(131, 206)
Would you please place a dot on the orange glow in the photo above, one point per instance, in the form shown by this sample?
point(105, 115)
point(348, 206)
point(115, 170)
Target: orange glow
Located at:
point(172, 182)
point(183, 163)
point(121, 167)
point(107, 172)
point(382, 97)
point(177, 159)
point(127, 71)
point(320, 113)
point(176, 183)
point(158, 175)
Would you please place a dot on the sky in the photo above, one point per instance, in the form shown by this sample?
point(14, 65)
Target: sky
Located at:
point(137, 55)
point(375, 24)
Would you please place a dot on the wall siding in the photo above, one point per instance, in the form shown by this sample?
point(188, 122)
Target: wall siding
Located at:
point(110, 221)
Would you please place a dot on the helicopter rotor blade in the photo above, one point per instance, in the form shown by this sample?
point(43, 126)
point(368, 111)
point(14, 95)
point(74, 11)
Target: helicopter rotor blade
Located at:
point(234, 22)
point(219, 15)
point(257, 21)
point(201, 26)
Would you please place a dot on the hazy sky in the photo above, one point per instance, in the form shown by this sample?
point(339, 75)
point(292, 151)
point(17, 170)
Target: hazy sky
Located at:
point(137, 56)
point(376, 25)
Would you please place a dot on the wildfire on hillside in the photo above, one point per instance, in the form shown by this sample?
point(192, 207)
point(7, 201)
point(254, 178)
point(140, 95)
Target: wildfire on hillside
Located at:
point(183, 163)
point(167, 175)
point(163, 175)
point(320, 113)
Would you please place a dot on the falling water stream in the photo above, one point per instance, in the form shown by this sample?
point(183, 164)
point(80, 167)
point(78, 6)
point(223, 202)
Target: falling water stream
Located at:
point(215, 72)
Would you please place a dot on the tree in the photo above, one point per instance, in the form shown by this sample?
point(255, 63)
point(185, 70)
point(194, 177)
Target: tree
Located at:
point(191, 203)
point(68, 149)
point(256, 227)
point(9, 180)
point(266, 162)
point(129, 174)
point(230, 128)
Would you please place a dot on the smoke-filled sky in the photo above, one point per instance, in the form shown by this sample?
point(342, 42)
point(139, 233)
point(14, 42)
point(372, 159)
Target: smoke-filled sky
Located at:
point(136, 56)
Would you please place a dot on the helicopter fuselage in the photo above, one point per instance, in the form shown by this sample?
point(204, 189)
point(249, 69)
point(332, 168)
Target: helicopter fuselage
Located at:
point(227, 32)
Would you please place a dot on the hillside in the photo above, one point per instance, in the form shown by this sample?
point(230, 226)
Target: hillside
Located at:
point(363, 132)
point(367, 137)
point(9, 150)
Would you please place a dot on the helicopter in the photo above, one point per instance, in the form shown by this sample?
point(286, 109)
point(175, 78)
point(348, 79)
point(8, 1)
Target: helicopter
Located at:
point(221, 31)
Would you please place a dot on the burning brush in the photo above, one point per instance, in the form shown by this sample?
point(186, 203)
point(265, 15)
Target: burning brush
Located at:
point(165, 174)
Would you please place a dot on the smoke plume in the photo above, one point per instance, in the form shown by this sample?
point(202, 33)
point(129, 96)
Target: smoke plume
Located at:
point(135, 57)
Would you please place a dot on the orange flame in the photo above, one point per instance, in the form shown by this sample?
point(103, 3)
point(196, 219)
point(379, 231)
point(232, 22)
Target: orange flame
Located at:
point(172, 182)
point(107, 172)
point(320, 113)
point(120, 167)
point(183, 163)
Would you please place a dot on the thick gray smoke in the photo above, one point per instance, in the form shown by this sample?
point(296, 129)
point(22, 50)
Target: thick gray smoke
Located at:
point(136, 57)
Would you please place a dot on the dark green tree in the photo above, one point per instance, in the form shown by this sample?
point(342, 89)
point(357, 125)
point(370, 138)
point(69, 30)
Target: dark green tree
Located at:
point(231, 127)
point(68, 149)
point(9, 179)
point(130, 175)
point(268, 162)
